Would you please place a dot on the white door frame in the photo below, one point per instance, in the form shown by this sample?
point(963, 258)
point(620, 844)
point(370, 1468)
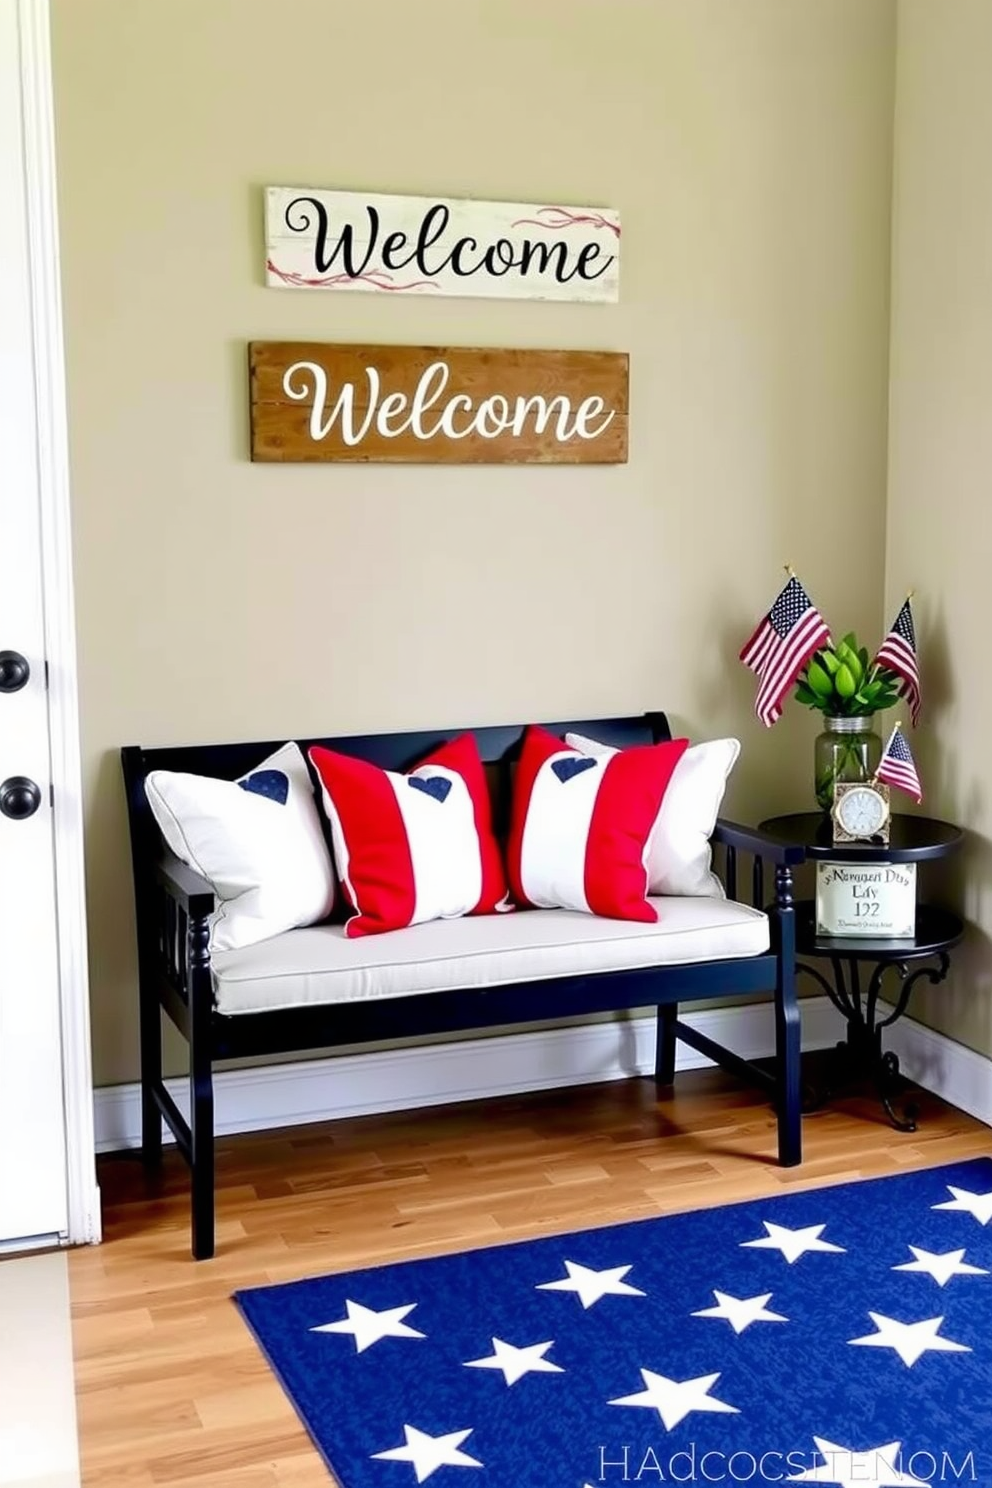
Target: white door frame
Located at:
point(60, 624)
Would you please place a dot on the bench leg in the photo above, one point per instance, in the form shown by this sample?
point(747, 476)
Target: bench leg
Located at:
point(787, 1039)
point(151, 1078)
point(665, 1041)
point(201, 1093)
point(788, 1030)
point(201, 1105)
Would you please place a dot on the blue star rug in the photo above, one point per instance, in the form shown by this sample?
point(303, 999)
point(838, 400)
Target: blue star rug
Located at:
point(841, 1335)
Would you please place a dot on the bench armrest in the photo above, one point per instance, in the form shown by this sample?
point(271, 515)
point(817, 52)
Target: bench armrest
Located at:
point(761, 844)
point(175, 938)
point(186, 886)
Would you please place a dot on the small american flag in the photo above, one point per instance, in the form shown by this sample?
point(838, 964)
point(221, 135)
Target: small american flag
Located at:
point(898, 768)
point(898, 653)
point(781, 646)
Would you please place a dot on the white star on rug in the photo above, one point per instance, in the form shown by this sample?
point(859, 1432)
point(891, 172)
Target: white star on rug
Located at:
point(591, 1285)
point(980, 1205)
point(368, 1327)
point(428, 1453)
point(875, 1468)
point(674, 1399)
point(740, 1312)
point(940, 1266)
point(792, 1243)
point(516, 1362)
point(910, 1340)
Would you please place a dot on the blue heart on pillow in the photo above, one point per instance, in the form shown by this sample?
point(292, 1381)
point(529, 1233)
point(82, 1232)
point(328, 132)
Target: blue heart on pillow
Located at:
point(567, 769)
point(272, 784)
point(431, 785)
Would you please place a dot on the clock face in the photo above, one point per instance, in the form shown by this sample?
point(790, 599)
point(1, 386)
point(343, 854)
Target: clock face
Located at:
point(862, 811)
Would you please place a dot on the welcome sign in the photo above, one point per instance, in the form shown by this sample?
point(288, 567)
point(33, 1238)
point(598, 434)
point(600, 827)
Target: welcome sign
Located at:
point(423, 245)
point(311, 401)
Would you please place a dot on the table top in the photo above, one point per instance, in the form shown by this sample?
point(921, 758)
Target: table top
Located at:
point(912, 839)
point(937, 930)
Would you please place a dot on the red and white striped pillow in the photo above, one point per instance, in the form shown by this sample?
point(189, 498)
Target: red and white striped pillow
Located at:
point(412, 847)
point(581, 825)
point(680, 860)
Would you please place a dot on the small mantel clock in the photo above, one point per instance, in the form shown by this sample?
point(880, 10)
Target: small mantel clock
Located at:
point(861, 811)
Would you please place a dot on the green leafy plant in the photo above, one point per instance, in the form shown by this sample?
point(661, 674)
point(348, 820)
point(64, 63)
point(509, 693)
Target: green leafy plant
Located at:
point(841, 681)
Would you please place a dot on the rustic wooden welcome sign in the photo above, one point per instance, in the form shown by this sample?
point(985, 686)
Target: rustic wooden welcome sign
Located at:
point(410, 246)
point(434, 405)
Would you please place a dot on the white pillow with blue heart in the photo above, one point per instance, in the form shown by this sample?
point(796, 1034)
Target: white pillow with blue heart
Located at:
point(257, 841)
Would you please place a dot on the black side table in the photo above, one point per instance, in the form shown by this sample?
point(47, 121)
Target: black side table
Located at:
point(912, 839)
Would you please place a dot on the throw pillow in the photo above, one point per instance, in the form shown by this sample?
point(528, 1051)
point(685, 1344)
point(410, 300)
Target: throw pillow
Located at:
point(412, 847)
point(581, 825)
point(680, 855)
point(257, 841)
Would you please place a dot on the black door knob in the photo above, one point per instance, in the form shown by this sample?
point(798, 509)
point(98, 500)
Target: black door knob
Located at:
point(14, 671)
point(19, 797)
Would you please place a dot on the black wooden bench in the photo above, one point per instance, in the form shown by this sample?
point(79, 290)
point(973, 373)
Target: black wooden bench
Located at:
point(174, 904)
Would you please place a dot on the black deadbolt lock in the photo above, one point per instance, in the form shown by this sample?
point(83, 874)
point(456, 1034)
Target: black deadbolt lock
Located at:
point(19, 797)
point(14, 671)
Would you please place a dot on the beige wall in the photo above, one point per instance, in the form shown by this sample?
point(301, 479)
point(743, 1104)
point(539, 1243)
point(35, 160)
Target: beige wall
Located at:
point(939, 534)
point(748, 148)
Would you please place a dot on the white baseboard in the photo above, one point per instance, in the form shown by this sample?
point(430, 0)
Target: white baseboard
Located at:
point(939, 1064)
point(509, 1064)
point(470, 1069)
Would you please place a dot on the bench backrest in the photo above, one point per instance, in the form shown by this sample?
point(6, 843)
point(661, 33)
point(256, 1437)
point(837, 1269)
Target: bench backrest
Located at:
point(498, 744)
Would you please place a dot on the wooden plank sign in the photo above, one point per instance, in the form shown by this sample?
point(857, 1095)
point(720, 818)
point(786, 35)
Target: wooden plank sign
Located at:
point(435, 405)
point(421, 245)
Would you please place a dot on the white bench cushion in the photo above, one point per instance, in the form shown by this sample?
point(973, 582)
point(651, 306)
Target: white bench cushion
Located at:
point(306, 967)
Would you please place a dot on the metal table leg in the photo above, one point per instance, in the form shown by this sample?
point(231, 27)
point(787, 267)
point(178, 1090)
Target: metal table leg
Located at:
point(861, 1054)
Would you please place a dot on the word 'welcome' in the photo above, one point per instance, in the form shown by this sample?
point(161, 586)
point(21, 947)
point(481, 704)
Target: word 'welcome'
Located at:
point(433, 249)
point(457, 417)
point(434, 405)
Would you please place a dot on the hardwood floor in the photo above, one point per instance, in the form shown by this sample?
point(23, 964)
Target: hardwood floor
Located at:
point(172, 1390)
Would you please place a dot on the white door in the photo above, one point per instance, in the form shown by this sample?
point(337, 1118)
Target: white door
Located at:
point(33, 1181)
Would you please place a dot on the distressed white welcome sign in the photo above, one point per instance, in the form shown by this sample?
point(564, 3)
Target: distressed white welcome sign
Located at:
point(423, 245)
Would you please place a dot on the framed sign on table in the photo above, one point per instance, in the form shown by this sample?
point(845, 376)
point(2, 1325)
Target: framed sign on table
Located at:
point(877, 900)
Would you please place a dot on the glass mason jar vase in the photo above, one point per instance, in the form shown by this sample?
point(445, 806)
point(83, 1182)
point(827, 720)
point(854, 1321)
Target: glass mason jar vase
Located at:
point(847, 749)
